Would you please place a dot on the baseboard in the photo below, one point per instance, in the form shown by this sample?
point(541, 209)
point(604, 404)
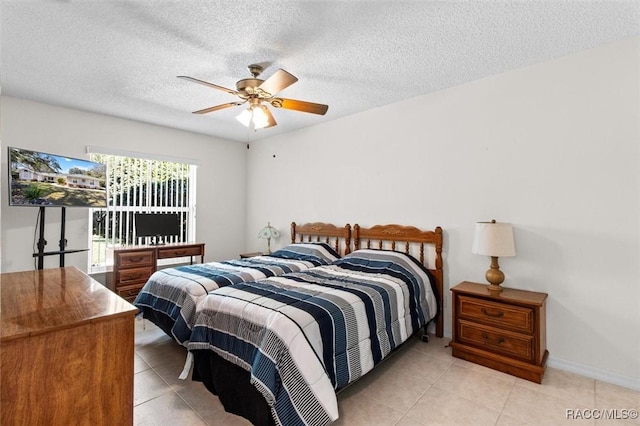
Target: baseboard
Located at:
point(583, 370)
point(595, 373)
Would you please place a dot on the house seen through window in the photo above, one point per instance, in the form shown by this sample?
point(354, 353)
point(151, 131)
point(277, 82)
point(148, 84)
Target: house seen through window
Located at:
point(139, 185)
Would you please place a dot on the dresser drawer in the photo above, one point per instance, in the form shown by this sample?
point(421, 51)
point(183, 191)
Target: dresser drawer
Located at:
point(134, 259)
point(131, 276)
point(498, 314)
point(502, 342)
point(129, 292)
point(170, 252)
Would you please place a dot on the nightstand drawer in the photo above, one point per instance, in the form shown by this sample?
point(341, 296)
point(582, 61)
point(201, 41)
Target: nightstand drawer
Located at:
point(165, 253)
point(133, 276)
point(501, 315)
point(129, 292)
point(134, 259)
point(499, 341)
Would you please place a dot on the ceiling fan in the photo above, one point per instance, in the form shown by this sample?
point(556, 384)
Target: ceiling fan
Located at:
point(257, 93)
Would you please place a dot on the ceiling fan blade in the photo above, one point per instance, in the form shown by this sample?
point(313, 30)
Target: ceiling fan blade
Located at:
point(215, 86)
point(217, 107)
point(303, 106)
point(279, 81)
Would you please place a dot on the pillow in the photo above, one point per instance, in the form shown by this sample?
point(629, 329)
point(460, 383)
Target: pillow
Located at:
point(315, 252)
point(395, 263)
point(378, 259)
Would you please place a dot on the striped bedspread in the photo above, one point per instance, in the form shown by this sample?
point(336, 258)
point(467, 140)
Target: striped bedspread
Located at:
point(171, 295)
point(304, 335)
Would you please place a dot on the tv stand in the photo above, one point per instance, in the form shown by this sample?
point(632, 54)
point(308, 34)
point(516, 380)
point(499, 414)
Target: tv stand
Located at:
point(62, 243)
point(132, 266)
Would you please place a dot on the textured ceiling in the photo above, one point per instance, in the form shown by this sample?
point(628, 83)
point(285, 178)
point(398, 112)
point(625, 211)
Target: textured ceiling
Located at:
point(122, 58)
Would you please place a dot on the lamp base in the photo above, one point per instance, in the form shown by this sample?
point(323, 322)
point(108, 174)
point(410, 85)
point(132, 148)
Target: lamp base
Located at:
point(494, 275)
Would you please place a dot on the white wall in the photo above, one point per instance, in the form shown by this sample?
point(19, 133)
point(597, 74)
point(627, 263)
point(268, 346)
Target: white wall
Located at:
point(221, 178)
point(551, 148)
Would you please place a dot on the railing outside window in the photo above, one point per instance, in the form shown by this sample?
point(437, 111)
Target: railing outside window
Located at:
point(140, 185)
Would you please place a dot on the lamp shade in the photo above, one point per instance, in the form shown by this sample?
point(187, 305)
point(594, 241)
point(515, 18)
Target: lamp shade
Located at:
point(245, 117)
point(494, 239)
point(260, 118)
point(255, 117)
point(268, 232)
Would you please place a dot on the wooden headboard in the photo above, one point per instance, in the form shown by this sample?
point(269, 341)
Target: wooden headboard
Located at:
point(406, 238)
point(323, 232)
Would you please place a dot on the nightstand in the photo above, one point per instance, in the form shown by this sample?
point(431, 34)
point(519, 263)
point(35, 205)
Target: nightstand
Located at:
point(503, 330)
point(252, 254)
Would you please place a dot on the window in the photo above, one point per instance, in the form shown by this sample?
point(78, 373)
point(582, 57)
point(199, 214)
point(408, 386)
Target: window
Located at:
point(139, 185)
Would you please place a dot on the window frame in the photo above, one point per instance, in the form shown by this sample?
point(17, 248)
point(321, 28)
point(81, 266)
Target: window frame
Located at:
point(152, 203)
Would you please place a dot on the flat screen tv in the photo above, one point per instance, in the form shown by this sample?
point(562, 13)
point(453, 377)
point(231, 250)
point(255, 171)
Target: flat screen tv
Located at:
point(40, 179)
point(157, 225)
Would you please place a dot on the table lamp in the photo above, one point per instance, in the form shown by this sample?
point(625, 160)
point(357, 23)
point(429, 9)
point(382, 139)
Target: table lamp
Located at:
point(494, 239)
point(267, 233)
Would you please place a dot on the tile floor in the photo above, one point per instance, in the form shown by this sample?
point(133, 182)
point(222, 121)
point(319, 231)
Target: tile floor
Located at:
point(422, 384)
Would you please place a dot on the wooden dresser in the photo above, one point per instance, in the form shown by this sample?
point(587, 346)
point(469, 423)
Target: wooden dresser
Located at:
point(132, 266)
point(503, 330)
point(67, 348)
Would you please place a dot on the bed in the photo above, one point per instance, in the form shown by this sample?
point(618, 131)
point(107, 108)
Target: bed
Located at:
point(170, 296)
point(277, 351)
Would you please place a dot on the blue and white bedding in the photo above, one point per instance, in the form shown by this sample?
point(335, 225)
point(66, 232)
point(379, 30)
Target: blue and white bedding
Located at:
point(170, 296)
point(304, 335)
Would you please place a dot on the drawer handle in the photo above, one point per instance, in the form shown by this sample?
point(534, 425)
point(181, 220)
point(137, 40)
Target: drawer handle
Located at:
point(499, 341)
point(136, 259)
point(499, 314)
point(133, 292)
point(180, 253)
point(134, 277)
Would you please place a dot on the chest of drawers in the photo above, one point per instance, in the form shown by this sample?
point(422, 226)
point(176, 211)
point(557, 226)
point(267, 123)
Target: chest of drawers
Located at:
point(503, 330)
point(132, 266)
point(67, 350)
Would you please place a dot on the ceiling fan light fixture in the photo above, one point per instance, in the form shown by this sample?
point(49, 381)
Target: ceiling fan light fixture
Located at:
point(260, 118)
point(245, 117)
point(254, 117)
